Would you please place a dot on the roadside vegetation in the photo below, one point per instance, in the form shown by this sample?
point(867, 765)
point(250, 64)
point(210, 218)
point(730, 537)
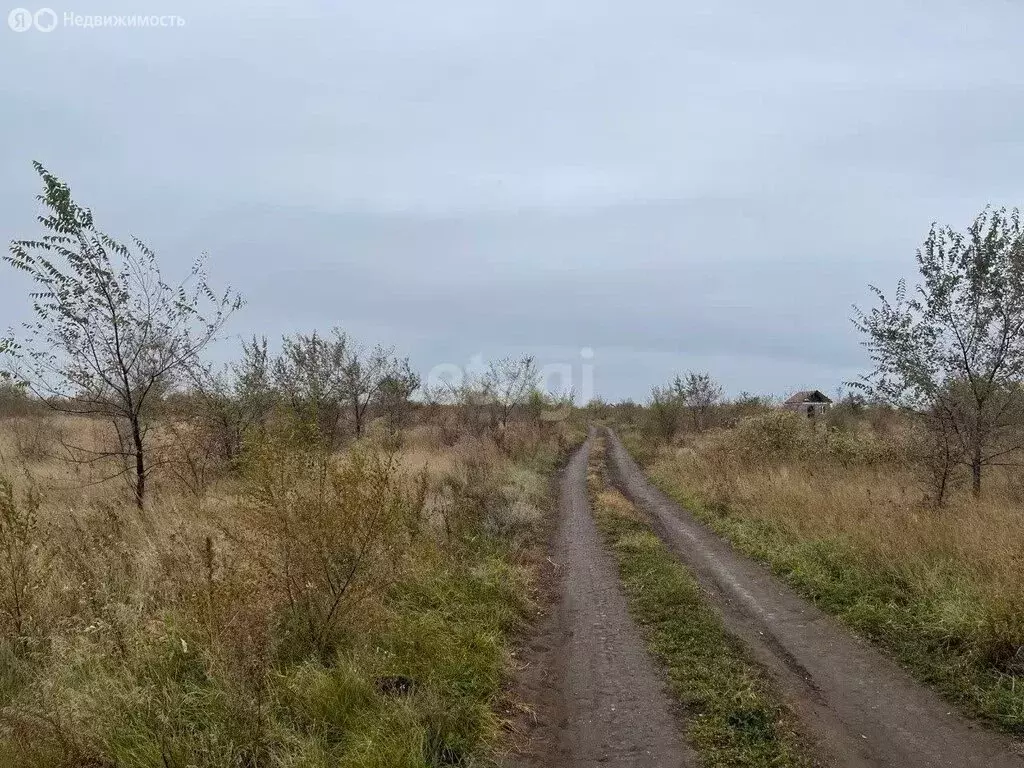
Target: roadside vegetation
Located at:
point(733, 715)
point(298, 559)
point(843, 518)
point(900, 510)
point(312, 608)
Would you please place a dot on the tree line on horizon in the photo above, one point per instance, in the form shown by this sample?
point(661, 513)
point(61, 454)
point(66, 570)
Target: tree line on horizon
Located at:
point(112, 339)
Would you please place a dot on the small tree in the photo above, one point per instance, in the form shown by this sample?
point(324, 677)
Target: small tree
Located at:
point(393, 396)
point(747, 404)
point(699, 393)
point(508, 383)
point(323, 377)
point(253, 387)
point(458, 407)
point(236, 400)
point(311, 376)
point(598, 408)
point(536, 403)
point(110, 336)
point(952, 350)
point(366, 373)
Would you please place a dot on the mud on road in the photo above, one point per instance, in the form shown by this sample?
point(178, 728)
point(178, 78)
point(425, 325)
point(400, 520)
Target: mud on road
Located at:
point(598, 696)
point(863, 709)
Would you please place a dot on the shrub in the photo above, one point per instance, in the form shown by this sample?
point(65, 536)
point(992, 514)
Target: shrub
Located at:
point(332, 532)
point(786, 436)
point(779, 434)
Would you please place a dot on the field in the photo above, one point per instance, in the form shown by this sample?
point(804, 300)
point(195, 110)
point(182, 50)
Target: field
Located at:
point(301, 608)
point(843, 514)
point(365, 601)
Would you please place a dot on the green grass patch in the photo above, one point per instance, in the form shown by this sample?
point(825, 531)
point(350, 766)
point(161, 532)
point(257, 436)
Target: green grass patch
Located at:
point(734, 718)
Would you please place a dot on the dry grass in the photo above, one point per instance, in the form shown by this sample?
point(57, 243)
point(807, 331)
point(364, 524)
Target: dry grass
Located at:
point(347, 610)
point(878, 511)
point(852, 528)
point(61, 453)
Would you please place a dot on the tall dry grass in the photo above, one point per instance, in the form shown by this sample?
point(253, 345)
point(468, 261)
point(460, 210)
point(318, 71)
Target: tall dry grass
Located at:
point(306, 609)
point(844, 516)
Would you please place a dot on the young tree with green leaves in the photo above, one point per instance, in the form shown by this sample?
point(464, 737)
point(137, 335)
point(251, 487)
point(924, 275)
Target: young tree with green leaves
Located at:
point(110, 336)
point(952, 349)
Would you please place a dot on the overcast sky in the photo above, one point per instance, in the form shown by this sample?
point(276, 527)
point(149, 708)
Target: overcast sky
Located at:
point(673, 185)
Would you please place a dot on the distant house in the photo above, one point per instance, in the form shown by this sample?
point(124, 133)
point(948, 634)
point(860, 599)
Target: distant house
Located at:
point(810, 402)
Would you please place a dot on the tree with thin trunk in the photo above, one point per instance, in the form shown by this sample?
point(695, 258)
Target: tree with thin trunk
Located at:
point(699, 393)
point(110, 336)
point(952, 350)
point(366, 372)
point(393, 398)
point(321, 378)
point(311, 374)
point(508, 383)
point(235, 402)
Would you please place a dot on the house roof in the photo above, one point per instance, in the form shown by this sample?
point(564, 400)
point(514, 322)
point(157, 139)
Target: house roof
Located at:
point(808, 396)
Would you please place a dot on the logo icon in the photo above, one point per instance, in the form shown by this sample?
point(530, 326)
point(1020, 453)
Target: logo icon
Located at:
point(45, 19)
point(20, 19)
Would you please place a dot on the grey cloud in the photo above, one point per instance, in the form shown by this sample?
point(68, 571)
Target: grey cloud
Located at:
point(673, 184)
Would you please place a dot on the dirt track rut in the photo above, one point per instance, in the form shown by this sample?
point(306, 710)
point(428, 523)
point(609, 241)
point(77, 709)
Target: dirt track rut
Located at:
point(863, 709)
point(601, 700)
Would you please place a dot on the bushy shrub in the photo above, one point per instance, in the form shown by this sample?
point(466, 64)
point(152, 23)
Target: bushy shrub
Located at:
point(779, 434)
point(787, 436)
point(333, 530)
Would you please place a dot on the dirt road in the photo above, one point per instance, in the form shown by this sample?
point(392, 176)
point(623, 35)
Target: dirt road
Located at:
point(599, 698)
point(863, 709)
